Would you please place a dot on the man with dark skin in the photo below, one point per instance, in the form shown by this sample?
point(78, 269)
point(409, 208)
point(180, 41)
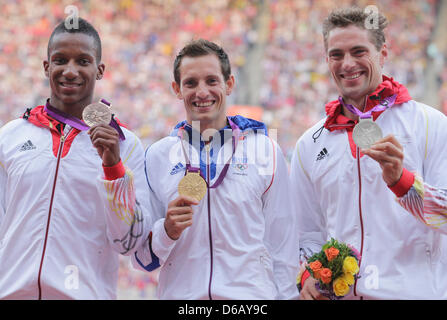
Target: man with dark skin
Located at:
point(60, 229)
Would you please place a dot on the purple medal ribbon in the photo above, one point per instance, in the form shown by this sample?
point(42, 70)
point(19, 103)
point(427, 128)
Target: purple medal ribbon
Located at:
point(78, 123)
point(384, 104)
point(113, 122)
point(235, 138)
point(65, 117)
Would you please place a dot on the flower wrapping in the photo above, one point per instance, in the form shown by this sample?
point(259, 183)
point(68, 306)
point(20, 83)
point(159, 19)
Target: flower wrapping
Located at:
point(336, 267)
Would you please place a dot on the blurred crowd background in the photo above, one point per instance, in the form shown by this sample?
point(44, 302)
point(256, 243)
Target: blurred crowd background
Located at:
point(275, 47)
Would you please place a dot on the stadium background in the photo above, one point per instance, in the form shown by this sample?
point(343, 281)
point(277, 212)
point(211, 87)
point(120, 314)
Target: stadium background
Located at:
point(276, 50)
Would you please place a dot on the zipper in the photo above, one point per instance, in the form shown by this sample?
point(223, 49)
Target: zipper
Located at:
point(207, 148)
point(59, 154)
point(360, 214)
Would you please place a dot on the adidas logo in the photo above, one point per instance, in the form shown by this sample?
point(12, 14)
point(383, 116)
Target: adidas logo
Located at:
point(27, 146)
point(323, 153)
point(178, 167)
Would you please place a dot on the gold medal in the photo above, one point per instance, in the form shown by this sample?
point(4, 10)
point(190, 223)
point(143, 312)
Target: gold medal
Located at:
point(96, 113)
point(192, 185)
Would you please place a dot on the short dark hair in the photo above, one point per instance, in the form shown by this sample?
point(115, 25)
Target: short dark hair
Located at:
point(84, 27)
point(341, 18)
point(202, 47)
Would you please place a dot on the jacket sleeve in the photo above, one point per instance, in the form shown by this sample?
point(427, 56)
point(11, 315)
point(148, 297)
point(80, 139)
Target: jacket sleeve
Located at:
point(281, 234)
point(424, 194)
point(158, 246)
point(310, 219)
point(3, 179)
point(427, 204)
point(128, 218)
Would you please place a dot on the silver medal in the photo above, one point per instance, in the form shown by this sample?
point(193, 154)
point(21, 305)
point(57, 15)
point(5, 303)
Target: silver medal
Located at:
point(96, 113)
point(366, 133)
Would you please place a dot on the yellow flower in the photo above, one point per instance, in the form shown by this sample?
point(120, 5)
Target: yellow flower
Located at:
point(349, 278)
point(350, 265)
point(340, 286)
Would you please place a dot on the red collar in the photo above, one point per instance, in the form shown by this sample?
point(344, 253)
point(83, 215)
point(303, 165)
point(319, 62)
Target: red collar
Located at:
point(336, 120)
point(40, 118)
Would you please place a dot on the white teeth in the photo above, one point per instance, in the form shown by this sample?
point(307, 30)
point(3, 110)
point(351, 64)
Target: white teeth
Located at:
point(70, 85)
point(352, 77)
point(203, 104)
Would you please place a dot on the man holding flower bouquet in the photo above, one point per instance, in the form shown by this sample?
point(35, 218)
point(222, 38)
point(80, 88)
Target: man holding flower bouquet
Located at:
point(371, 175)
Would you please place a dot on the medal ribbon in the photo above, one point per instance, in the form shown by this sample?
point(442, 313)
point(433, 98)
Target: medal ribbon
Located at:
point(384, 104)
point(65, 117)
point(75, 122)
point(235, 138)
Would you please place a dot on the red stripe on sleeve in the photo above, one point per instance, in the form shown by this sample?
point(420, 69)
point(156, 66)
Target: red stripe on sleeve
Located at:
point(114, 172)
point(304, 277)
point(404, 184)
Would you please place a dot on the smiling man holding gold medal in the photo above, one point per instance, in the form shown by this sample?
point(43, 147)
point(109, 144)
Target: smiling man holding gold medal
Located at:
point(229, 231)
point(373, 172)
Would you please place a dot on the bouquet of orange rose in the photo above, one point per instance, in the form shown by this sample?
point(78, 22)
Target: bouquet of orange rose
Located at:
point(336, 267)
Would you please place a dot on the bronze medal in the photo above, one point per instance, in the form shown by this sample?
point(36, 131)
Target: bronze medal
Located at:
point(192, 185)
point(96, 113)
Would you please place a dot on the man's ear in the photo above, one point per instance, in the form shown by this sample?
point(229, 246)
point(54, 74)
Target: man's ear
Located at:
point(100, 74)
point(176, 89)
point(46, 66)
point(383, 55)
point(229, 85)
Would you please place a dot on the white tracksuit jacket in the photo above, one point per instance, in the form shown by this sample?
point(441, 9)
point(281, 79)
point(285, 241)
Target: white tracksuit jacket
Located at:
point(60, 228)
point(346, 198)
point(243, 241)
